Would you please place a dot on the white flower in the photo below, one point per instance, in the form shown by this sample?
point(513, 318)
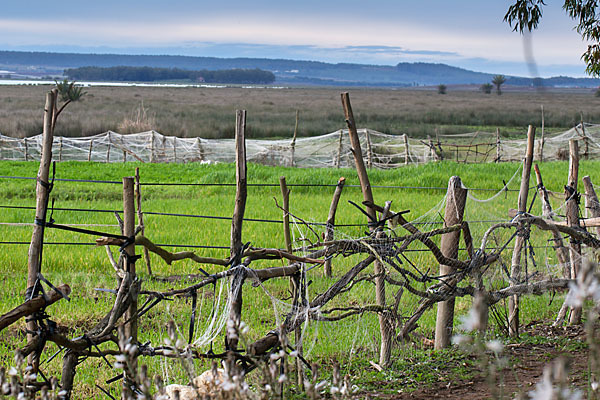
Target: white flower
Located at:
point(268, 387)
point(294, 353)
point(13, 371)
point(471, 321)
point(594, 386)
point(120, 358)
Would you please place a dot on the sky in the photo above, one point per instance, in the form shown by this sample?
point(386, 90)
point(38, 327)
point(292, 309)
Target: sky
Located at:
point(465, 33)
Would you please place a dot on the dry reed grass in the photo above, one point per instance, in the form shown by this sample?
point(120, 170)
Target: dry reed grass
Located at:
point(209, 112)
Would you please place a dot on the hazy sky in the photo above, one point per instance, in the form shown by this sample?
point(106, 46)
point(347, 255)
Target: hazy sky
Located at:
point(464, 33)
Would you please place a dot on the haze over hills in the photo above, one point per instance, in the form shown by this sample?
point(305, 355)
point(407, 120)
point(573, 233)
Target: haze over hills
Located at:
point(287, 72)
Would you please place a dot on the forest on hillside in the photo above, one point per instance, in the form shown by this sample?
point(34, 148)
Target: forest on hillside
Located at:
point(151, 74)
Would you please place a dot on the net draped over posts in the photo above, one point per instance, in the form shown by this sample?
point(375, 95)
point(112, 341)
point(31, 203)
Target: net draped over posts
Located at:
point(380, 150)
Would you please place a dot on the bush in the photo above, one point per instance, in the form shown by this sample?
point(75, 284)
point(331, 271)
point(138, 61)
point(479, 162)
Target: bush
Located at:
point(442, 89)
point(487, 88)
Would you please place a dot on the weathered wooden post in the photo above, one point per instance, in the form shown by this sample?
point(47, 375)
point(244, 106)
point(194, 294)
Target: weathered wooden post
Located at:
point(90, 151)
point(515, 271)
point(131, 328)
point(294, 280)
point(542, 140)
point(42, 194)
point(572, 213)
point(140, 217)
point(592, 207)
point(406, 152)
point(152, 146)
point(562, 254)
point(293, 144)
point(329, 234)
point(60, 148)
point(384, 325)
point(108, 149)
point(456, 199)
point(369, 150)
point(175, 149)
point(497, 145)
point(236, 248)
point(26, 150)
point(339, 152)
point(200, 149)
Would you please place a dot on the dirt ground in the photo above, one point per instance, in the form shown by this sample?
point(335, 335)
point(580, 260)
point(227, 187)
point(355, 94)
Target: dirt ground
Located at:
point(527, 362)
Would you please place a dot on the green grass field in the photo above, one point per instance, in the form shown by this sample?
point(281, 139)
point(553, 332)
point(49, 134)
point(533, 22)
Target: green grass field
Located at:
point(353, 341)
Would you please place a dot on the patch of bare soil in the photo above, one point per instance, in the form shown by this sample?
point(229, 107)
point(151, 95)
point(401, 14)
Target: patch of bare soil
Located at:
point(526, 365)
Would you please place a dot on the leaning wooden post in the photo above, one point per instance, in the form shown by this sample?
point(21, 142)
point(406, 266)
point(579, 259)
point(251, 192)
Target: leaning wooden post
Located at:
point(42, 194)
point(406, 153)
point(456, 199)
point(293, 144)
point(515, 270)
point(235, 313)
point(329, 234)
point(131, 328)
point(497, 145)
point(140, 217)
point(592, 207)
point(384, 324)
point(572, 213)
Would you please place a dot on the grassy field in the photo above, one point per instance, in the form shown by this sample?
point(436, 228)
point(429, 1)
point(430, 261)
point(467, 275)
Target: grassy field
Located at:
point(354, 342)
point(210, 112)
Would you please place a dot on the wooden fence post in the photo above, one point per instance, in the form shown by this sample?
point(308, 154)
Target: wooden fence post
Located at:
point(456, 199)
point(108, 149)
point(572, 213)
point(329, 234)
point(90, 151)
point(497, 145)
point(515, 270)
point(406, 152)
point(294, 280)
point(26, 150)
point(592, 207)
point(241, 193)
point(60, 148)
point(152, 146)
point(140, 217)
point(131, 328)
point(369, 150)
point(42, 193)
point(562, 254)
point(200, 149)
point(339, 152)
point(543, 140)
point(385, 326)
point(175, 149)
point(293, 144)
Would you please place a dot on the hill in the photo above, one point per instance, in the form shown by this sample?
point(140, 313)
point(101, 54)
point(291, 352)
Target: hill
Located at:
point(287, 72)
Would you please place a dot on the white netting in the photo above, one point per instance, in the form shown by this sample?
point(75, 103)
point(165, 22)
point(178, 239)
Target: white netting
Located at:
point(380, 150)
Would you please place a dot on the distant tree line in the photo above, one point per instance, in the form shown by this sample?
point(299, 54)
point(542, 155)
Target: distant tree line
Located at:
point(151, 74)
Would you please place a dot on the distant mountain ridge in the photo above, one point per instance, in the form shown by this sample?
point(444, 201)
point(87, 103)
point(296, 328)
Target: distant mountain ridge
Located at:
point(286, 71)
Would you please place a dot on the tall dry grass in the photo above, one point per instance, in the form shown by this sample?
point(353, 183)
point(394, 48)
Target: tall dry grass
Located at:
point(210, 112)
